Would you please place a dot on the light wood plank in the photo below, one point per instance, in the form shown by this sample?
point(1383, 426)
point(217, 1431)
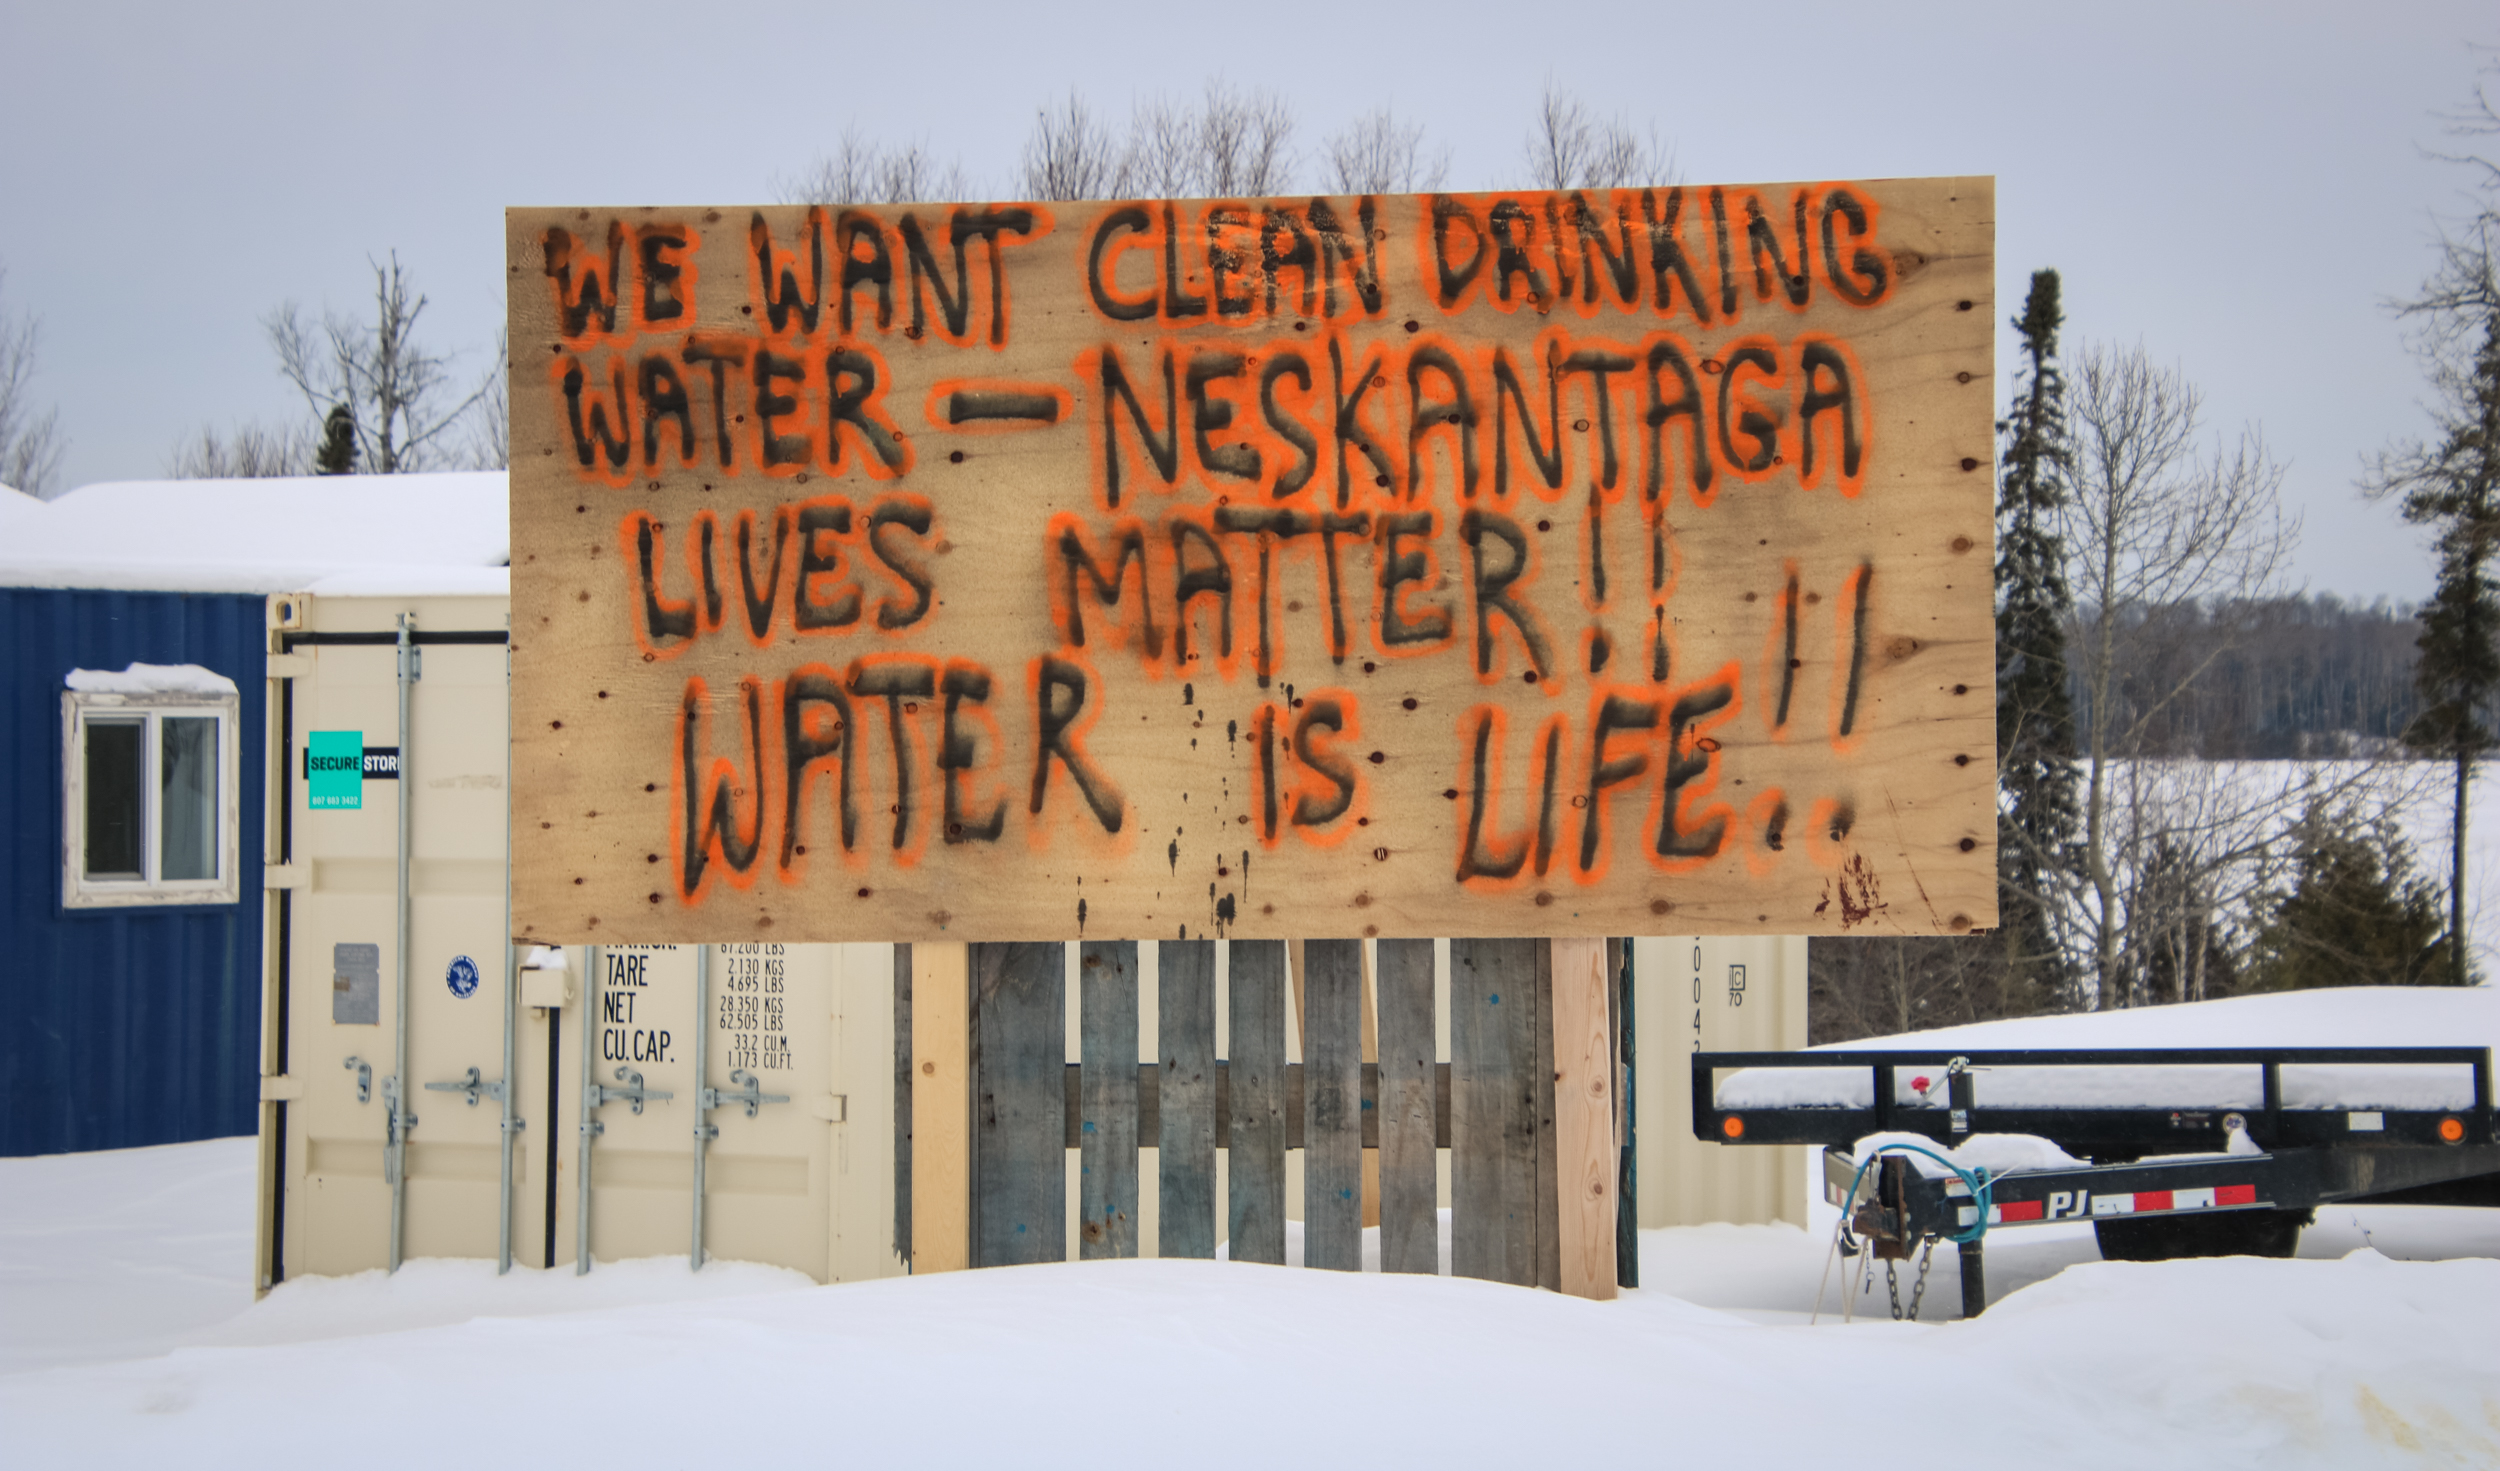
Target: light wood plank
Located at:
point(1585, 1161)
point(941, 1107)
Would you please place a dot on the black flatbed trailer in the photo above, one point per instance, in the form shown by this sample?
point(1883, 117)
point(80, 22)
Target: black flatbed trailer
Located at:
point(2158, 1182)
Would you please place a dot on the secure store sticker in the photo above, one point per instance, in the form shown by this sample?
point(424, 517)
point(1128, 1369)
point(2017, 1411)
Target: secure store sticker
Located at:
point(334, 769)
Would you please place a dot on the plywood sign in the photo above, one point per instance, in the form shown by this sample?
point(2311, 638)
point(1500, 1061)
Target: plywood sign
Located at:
point(1504, 564)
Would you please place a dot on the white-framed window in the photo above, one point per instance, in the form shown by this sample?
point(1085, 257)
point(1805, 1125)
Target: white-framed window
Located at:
point(150, 776)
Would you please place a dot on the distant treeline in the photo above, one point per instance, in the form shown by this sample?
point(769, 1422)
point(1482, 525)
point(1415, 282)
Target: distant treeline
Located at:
point(2309, 676)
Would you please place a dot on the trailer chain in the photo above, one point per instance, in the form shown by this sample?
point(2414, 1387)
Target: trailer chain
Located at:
point(1918, 1287)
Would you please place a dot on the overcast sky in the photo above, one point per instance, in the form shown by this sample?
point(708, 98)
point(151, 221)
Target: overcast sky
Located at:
point(2237, 187)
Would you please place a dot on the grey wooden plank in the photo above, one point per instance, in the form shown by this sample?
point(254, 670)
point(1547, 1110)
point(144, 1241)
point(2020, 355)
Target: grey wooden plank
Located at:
point(1185, 1101)
point(1627, 1181)
point(1493, 1124)
point(1019, 1108)
point(1106, 1221)
point(1332, 1097)
point(1547, 1149)
point(1409, 1224)
point(902, 1103)
point(1146, 1120)
point(1255, 1167)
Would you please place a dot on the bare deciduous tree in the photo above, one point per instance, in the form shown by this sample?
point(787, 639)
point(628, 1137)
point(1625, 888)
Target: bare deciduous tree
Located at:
point(30, 442)
point(251, 452)
point(1874, 986)
point(400, 392)
point(860, 170)
point(1377, 154)
point(1569, 148)
point(2478, 118)
point(1160, 159)
point(1072, 154)
point(490, 422)
point(1244, 144)
point(1231, 145)
point(2155, 519)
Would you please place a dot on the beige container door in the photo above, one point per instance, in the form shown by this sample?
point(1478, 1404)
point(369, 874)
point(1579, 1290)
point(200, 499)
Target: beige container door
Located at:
point(1723, 993)
point(766, 1178)
point(639, 1035)
point(862, 1085)
point(804, 1033)
point(342, 942)
point(454, 773)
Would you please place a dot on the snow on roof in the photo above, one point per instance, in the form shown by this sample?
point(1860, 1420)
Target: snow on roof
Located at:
point(15, 503)
point(418, 533)
point(150, 679)
point(2347, 1016)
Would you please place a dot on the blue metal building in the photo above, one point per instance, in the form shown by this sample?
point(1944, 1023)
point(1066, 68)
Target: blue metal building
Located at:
point(128, 1025)
point(133, 973)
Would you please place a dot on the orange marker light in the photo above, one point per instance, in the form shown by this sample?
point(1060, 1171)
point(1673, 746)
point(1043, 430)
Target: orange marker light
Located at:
point(2451, 1130)
point(1732, 1126)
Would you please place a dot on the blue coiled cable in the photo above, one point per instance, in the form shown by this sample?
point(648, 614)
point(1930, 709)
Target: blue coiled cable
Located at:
point(1982, 1188)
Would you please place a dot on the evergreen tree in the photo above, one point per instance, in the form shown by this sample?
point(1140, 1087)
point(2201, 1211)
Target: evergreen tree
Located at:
point(337, 455)
point(2454, 484)
point(2356, 914)
point(2037, 824)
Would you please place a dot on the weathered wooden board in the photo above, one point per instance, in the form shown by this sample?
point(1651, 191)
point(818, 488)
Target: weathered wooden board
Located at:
point(1019, 1107)
point(1409, 1228)
point(902, 1102)
point(1332, 1100)
point(1255, 1145)
point(1507, 564)
point(1548, 1148)
point(1185, 1122)
point(1496, 1214)
point(1107, 1153)
point(1627, 1194)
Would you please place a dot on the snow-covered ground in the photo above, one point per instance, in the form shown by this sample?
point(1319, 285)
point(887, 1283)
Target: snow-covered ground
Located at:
point(128, 1336)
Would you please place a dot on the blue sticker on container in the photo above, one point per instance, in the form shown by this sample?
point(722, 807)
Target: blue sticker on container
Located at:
point(462, 977)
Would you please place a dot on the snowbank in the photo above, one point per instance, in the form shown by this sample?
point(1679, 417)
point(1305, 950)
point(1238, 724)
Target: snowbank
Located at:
point(2351, 1357)
point(2236, 1362)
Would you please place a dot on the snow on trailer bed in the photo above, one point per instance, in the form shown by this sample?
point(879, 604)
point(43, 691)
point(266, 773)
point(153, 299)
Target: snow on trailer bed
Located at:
point(2353, 1016)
